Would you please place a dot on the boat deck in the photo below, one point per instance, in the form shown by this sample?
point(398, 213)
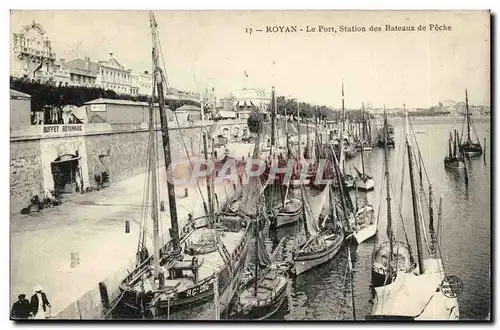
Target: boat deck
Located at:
point(208, 263)
point(266, 290)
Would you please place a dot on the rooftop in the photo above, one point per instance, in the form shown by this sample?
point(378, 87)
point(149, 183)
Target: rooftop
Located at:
point(18, 95)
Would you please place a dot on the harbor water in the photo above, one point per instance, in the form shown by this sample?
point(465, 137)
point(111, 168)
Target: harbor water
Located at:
point(323, 293)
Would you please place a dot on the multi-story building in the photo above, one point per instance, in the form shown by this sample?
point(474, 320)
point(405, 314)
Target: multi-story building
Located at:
point(176, 94)
point(82, 72)
point(114, 76)
point(141, 83)
point(248, 97)
point(31, 54)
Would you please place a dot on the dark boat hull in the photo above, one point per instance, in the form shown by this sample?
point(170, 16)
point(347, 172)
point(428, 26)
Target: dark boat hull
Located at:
point(453, 163)
point(306, 261)
point(134, 304)
point(266, 310)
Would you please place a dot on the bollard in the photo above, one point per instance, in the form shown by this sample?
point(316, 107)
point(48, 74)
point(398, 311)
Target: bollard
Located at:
point(127, 226)
point(75, 259)
point(185, 192)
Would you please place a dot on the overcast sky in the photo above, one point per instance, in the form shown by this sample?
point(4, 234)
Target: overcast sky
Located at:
point(211, 48)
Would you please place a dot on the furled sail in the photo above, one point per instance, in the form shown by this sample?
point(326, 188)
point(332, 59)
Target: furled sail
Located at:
point(264, 259)
point(313, 206)
point(250, 199)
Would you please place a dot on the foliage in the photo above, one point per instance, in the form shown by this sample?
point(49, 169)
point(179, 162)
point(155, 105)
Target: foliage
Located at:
point(46, 95)
point(322, 112)
point(255, 121)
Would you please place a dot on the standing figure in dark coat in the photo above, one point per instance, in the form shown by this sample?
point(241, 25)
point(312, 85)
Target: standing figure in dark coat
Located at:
point(21, 309)
point(39, 303)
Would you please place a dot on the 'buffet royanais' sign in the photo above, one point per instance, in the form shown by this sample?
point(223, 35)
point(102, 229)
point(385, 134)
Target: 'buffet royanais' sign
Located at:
point(65, 129)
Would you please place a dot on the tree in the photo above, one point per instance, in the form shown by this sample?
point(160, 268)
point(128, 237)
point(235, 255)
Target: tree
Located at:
point(255, 121)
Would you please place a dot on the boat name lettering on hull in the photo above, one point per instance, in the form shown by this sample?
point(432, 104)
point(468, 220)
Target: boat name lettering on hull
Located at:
point(199, 289)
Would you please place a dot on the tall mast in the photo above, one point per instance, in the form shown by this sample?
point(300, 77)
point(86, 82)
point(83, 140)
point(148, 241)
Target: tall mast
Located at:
point(273, 119)
point(450, 149)
point(286, 137)
point(341, 136)
point(415, 206)
point(257, 236)
point(467, 114)
point(154, 191)
point(362, 158)
point(388, 194)
point(210, 209)
point(343, 110)
point(158, 79)
point(298, 130)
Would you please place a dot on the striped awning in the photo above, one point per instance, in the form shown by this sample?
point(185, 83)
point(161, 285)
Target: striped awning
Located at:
point(244, 103)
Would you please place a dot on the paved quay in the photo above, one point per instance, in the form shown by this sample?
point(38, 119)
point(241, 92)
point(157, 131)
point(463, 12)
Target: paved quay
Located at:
point(92, 225)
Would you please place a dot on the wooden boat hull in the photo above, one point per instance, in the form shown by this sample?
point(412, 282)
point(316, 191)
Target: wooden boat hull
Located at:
point(286, 218)
point(134, 303)
point(380, 271)
point(472, 152)
point(471, 149)
point(364, 185)
point(453, 163)
point(307, 261)
point(262, 308)
point(362, 235)
point(416, 297)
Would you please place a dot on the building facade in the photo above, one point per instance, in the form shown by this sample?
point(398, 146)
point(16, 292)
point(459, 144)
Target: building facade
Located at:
point(141, 83)
point(114, 76)
point(248, 97)
point(31, 54)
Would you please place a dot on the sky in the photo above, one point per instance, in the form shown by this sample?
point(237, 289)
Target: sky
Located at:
point(211, 49)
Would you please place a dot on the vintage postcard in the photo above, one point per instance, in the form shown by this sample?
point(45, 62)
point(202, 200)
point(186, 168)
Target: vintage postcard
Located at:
point(250, 165)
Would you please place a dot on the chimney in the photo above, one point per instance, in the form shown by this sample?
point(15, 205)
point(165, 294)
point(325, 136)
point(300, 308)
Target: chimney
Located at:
point(62, 61)
point(87, 63)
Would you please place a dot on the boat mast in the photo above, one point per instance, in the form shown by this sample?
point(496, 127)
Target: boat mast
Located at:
point(208, 177)
point(154, 190)
point(467, 114)
point(273, 118)
point(341, 136)
point(286, 137)
point(298, 132)
point(450, 150)
point(158, 78)
point(256, 259)
point(414, 201)
point(388, 194)
point(362, 158)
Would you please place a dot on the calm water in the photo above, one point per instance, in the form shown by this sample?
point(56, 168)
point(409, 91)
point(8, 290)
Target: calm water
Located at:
point(321, 292)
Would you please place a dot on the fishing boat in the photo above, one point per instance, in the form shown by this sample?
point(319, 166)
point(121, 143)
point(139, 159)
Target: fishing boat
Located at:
point(385, 137)
point(366, 136)
point(290, 212)
point(322, 243)
point(363, 181)
point(342, 150)
point(264, 294)
point(291, 208)
point(455, 159)
point(428, 293)
point(390, 257)
point(365, 226)
point(212, 249)
point(470, 148)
